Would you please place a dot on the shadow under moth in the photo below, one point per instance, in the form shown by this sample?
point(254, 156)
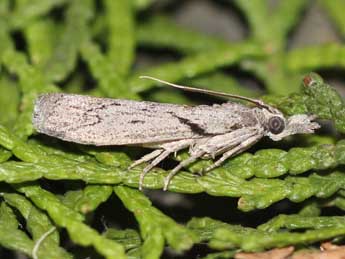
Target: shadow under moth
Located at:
point(208, 131)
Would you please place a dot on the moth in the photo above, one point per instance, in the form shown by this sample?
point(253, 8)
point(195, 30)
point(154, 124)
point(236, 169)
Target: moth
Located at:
point(208, 131)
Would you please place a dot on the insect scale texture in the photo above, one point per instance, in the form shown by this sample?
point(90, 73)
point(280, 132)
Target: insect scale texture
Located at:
point(208, 131)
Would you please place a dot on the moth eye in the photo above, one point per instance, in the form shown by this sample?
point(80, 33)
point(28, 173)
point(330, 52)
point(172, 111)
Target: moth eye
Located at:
point(276, 124)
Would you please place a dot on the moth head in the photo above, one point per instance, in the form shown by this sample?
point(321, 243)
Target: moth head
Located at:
point(279, 127)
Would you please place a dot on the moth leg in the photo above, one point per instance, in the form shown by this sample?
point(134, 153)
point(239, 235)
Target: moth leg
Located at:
point(146, 158)
point(237, 149)
point(182, 164)
point(211, 146)
point(219, 144)
point(168, 148)
point(148, 168)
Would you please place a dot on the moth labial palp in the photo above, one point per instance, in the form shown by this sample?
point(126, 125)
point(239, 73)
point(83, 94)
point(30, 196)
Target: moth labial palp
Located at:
point(208, 131)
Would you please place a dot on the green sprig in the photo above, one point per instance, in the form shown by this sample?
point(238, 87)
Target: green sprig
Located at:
point(63, 216)
point(155, 227)
point(223, 236)
point(38, 224)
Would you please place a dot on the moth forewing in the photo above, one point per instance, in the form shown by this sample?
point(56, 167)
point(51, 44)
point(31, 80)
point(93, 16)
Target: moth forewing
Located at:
point(104, 121)
point(208, 131)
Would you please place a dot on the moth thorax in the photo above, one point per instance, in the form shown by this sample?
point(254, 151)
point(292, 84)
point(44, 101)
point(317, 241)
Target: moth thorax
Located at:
point(276, 124)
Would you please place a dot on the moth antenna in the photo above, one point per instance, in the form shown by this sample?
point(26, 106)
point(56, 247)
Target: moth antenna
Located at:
point(214, 93)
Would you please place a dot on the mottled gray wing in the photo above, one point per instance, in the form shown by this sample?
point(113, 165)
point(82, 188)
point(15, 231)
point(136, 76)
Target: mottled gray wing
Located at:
point(104, 121)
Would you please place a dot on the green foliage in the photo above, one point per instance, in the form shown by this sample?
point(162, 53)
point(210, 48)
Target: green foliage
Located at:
point(225, 236)
point(60, 45)
point(155, 227)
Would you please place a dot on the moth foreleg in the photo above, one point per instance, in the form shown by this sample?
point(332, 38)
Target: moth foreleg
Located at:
point(219, 144)
point(237, 149)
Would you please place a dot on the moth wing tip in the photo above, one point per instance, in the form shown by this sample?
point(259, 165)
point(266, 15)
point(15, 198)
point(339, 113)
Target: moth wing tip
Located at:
point(41, 107)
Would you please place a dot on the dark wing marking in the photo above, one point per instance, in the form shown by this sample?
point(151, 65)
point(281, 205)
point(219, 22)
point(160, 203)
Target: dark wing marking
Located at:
point(104, 121)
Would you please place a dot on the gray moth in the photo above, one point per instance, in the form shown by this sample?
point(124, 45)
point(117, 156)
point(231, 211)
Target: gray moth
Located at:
point(208, 131)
